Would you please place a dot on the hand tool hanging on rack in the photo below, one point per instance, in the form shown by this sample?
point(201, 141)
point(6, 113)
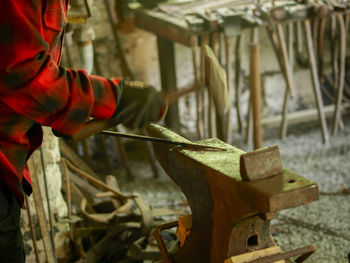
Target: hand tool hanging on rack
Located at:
point(232, 28)
point(214, 121)
point(254, 38)
point(217, 86)
point(315, 80)
point(278, 43)
point(255, 89)
point(290, 47)
point(320, 40)
point(238, 56)
point(341, 78)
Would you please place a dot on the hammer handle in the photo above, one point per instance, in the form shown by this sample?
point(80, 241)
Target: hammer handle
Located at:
point(96, 126)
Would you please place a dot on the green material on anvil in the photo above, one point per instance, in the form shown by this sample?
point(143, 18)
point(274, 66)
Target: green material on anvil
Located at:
point(228, 163)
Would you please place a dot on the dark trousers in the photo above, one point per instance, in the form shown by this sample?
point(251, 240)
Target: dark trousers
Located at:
point(11, 242)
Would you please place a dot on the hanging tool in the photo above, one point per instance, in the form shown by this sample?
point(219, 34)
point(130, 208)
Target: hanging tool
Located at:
point(216, 81)
point(190, 145)
point(339, 95)
point(315, 80)
point(255, 89)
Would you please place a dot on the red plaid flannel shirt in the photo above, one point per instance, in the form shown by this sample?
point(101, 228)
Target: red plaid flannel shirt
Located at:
point(35, 90)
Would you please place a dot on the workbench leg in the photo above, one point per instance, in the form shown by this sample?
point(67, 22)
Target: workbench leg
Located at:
point(341, 79)
point(315, 80)
point(166, 55)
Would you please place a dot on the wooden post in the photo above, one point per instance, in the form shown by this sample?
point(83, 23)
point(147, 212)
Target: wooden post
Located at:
point(255, 89)
point(166, 55)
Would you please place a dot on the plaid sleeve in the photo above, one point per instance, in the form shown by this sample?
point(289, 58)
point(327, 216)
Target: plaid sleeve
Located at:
point(33, 85)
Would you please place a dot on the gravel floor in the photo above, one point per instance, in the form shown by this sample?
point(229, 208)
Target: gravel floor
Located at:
point(325, 223)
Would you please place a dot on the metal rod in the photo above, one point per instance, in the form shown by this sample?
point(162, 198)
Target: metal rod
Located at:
point(161, 140)
point(159, 239)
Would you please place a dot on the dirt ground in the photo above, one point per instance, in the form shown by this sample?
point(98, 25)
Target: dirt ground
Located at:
point(325, 223)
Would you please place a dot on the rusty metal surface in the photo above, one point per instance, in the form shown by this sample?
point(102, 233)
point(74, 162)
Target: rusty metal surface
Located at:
point(221, 202)
point(261, 164)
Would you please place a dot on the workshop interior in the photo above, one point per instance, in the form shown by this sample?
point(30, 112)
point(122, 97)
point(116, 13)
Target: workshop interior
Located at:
point(250, 160)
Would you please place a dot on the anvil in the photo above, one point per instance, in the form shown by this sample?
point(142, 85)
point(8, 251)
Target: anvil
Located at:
point(231, 213)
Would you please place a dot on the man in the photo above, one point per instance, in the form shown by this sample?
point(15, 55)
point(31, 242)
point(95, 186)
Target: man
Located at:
point(35, 91)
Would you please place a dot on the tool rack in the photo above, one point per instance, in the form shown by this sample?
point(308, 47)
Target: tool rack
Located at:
point(200, 22)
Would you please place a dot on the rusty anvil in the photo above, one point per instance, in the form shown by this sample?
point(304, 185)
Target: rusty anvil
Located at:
point(233, 196)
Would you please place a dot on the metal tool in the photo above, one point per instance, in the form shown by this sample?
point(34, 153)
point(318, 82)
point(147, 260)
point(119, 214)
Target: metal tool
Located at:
point(195, 146)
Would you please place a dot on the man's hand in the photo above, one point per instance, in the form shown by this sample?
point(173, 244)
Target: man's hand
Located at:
point(139, 104)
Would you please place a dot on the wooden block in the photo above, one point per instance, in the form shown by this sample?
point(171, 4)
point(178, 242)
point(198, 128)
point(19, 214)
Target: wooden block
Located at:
point(247, 257)
point(184, 228)
point(261, 164)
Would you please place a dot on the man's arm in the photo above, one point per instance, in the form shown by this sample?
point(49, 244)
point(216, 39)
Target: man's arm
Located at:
point(33, 85)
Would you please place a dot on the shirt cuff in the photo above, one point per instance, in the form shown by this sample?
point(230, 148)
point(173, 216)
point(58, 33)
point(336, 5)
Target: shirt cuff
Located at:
point(105, 96)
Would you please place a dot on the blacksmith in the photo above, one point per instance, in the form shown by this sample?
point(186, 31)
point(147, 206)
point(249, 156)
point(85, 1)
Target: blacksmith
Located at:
point(35, 90)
